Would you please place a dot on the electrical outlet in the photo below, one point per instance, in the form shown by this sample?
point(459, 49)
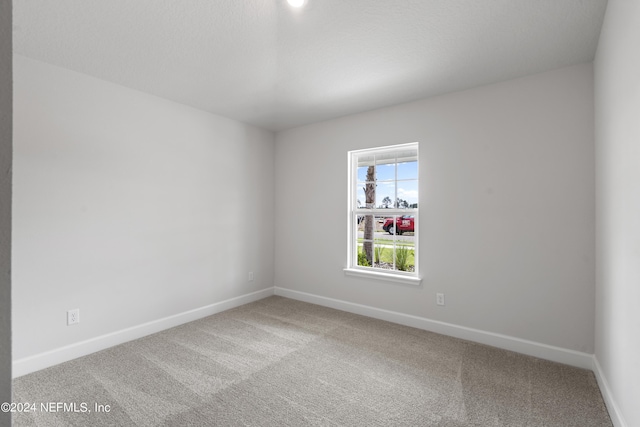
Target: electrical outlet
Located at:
point(73, 316)
point(440, 299)
point(251, 276)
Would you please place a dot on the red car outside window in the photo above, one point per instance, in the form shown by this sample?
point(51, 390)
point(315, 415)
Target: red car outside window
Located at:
point(403, 224)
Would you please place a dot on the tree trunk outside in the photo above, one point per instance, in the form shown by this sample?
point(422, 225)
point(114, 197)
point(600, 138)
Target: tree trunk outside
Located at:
point(370, 193)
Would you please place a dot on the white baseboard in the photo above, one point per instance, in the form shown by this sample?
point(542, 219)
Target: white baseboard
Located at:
point(531, 348)
point(53, 357)
point(612, 407)
point(556, 354)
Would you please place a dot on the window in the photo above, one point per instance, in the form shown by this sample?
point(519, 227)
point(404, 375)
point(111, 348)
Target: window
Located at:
point(383, 213)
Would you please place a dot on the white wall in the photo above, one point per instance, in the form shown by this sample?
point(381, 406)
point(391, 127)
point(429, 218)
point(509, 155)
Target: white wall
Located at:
point(507, 207)
point(617, 92)
point(129, 207)
point(5, 205)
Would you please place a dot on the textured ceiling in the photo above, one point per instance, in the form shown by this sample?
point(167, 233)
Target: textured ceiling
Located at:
point(264, 63)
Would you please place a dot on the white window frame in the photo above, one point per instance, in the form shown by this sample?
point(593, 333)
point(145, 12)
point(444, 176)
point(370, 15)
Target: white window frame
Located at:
point(353, 269)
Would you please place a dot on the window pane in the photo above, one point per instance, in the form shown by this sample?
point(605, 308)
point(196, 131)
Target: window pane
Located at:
point(360, 197)
point(385, 194)
point(362, 220)
point(368, 228)
point(380, 243)
point(408, 170)
point(389, 225)
point(364, 162)
point(362, 174)
point(404, 257)
point(385, 171)
point(383, 251)
point(378, 224)
point(408, 194)
point(366, 191)
point(362, 258)
point(405, 243)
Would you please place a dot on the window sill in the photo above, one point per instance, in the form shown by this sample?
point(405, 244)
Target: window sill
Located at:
point(407, 280)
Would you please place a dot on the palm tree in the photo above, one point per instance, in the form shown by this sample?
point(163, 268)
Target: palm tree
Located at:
point(370, 194)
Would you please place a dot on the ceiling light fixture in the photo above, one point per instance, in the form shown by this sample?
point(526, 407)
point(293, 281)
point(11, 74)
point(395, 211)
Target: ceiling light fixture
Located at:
point(296, 3)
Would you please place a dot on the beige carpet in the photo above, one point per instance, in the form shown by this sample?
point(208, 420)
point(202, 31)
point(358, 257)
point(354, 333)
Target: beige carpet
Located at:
point(280, 362)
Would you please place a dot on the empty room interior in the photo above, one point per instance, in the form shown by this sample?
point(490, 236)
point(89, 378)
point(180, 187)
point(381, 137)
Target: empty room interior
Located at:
point(320, 212)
